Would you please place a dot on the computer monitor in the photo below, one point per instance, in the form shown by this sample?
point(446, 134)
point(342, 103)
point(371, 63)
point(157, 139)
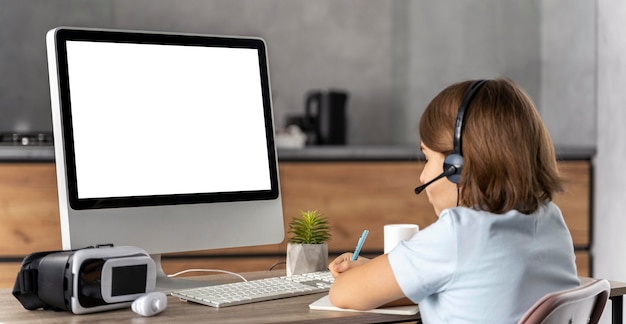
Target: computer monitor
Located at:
point(163, 141)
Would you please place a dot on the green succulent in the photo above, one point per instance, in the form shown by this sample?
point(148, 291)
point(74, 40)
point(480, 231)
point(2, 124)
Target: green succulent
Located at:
point(310, 227)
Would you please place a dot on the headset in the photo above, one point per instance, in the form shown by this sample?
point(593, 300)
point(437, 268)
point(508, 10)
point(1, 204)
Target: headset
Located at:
point(87, 280)
point(453, 163)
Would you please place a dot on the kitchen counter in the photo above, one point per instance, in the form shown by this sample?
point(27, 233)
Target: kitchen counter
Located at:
point(392, 153)
point(45, 153)
point(31, 153)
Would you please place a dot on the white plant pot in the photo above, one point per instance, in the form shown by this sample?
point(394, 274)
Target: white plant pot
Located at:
point(304, 258)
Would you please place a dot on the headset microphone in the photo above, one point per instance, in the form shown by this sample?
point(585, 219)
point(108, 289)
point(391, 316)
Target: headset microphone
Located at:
point(453, 163)
point(450, 171)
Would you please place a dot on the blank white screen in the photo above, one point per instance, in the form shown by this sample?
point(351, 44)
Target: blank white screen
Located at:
point(166, 119)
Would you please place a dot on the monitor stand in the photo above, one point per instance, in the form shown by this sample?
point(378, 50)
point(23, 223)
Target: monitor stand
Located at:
point(167, 284)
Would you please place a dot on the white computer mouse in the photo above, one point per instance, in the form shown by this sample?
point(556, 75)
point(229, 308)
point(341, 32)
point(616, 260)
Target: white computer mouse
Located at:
point(150, 304)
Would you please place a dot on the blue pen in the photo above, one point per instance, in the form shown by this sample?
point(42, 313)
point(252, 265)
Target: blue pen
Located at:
point(359, 245)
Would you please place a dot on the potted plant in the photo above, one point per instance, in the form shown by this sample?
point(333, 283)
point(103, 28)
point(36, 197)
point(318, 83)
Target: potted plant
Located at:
point(307, 250)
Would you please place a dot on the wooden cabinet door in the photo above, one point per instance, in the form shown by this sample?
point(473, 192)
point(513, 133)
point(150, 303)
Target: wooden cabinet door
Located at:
point(29, 209)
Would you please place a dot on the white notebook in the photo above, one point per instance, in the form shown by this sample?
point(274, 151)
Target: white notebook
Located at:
point(324, 304)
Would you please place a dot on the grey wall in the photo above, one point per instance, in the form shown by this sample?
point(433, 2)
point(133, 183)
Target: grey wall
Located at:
point(568, 71)
point(392, 56)
point(547, 46)
point(24, 94)
point(449, 41)
point(343, 44)
point(610, 195)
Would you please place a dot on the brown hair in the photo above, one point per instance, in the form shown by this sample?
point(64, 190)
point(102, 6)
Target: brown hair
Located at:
point(509, 159)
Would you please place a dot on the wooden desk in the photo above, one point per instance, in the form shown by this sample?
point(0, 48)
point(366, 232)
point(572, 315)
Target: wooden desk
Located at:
point(618, 290)
point(287, 310)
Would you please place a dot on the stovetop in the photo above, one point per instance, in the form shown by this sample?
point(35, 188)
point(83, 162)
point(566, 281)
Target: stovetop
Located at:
point(26, 139)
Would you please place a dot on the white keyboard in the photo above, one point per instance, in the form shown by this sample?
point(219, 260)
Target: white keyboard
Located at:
point(253, 291)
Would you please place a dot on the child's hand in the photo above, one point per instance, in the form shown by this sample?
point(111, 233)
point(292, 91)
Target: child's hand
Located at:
point(344, 263)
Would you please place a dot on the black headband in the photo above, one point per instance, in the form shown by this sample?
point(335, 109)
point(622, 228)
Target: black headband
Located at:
point(467, 97)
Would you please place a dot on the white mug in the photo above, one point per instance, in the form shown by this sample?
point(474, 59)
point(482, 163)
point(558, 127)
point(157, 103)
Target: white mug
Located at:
point(394, 233)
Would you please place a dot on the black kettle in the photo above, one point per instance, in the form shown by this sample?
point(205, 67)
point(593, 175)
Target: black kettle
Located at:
point(325, 112)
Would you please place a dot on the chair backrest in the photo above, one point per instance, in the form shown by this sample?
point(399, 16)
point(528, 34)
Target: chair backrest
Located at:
point(582, 304)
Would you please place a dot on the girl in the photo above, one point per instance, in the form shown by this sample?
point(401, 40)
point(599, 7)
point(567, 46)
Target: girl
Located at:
point(499, 243)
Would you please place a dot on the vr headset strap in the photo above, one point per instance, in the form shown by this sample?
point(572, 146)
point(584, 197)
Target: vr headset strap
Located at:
point(25, 288)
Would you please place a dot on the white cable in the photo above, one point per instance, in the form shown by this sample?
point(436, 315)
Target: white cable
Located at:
point(207, 270)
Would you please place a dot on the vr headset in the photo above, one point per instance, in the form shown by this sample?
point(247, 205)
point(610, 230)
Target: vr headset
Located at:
point(88, 280)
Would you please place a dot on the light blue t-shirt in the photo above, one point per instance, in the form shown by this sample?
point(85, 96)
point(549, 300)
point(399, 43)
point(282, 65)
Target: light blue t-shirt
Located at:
point(477, 267)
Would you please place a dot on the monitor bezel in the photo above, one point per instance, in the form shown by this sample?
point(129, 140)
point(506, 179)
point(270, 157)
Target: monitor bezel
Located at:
point(62, 36)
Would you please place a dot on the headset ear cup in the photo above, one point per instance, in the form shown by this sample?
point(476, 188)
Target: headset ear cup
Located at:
point(455, 161)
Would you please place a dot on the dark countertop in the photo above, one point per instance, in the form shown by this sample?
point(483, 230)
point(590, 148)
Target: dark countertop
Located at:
point(33, 153)
point(43, 153)
point(393, 153)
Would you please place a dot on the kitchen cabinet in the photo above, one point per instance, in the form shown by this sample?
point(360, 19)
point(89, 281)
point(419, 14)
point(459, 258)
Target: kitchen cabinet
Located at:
point(354, 194)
